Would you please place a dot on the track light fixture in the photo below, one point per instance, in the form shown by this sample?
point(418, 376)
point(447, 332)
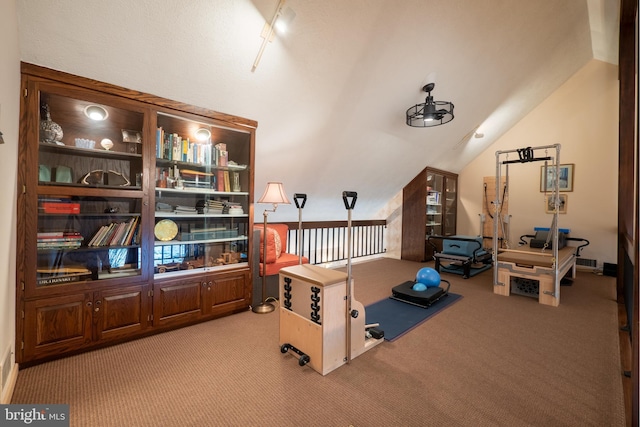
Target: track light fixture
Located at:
point(430, 113)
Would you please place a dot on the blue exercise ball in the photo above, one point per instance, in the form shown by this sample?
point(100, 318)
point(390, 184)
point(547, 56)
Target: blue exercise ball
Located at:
point(428, 277)
point(419, 287)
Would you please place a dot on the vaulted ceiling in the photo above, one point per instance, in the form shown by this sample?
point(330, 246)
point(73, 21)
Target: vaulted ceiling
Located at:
point(330, 95)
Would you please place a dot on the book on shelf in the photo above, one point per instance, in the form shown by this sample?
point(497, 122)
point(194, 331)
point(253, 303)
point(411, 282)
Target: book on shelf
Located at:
point(227, 182)
point(133, 234)
point(159, 142)
point(59, 245)
point(61, 206)
point(102, 235)
point(50, 234)
point(116, 237)
point(175, 146)
point(104, 239)
point(55, 276)
point(220, 181)
point(57, 280)
point(96, 236)
point(68, 278)
point(58, 234)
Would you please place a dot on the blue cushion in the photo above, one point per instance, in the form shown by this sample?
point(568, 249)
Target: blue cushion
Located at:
point(461, 247)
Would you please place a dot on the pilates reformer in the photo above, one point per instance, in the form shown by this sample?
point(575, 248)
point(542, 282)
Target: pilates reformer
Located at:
point(463, 255)
point(530, 267)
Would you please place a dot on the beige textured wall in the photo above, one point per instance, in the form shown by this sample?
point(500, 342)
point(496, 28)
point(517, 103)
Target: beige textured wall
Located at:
point(582, 116)
point(9, 116)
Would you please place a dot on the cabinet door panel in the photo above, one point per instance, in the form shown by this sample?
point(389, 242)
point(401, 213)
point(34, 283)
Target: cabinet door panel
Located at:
point(228, 293)
point(176, 302)
point(228, 289)
point(202, 201)
point(56, 325)
point(121, 312)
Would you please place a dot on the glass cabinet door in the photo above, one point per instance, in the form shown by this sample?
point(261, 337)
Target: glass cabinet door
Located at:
point(449, 226)
point(82, 238)
point(89, 214)
point(434, 203)
point(201, 196)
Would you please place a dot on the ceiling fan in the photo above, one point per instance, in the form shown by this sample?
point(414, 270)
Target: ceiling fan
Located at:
point(430, 113)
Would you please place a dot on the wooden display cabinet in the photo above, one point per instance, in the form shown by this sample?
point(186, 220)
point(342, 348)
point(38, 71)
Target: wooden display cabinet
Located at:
point(429, 207)
point(127, 225)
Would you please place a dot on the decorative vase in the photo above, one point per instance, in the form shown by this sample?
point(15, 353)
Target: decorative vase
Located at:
point(50, 131)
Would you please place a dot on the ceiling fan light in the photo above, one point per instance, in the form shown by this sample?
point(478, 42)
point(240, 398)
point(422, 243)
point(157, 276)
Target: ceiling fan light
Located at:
point(430, 113)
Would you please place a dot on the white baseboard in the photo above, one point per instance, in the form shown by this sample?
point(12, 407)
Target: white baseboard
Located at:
point(7, 393)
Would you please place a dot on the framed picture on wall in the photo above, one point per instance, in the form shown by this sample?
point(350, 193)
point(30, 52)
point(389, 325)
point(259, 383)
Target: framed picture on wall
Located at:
point(548, 203)
point(548, 181)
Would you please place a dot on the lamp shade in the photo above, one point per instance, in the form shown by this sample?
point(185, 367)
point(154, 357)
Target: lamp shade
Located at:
point(274, 193)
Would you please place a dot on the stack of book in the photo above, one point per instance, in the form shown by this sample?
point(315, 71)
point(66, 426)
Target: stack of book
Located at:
point(163, 207)
point(69, 239)
point(185, 210)
point(232, 208)
point(117, 234)
point(215, 206)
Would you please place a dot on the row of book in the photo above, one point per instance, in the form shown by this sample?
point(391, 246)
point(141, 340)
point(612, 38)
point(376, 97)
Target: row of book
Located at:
point(171, 146)
point(68, 239)
point(117, 234)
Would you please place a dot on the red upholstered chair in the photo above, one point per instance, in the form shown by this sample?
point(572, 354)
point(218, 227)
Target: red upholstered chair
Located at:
point(276, 258)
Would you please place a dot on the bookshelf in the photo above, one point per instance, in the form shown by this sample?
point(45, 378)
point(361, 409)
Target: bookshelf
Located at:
point(130, 225)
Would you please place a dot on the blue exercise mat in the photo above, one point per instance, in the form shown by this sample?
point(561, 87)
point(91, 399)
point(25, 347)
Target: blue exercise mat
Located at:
point(396, 318)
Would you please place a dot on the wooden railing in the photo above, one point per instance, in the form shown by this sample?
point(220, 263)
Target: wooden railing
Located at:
point(326, 241)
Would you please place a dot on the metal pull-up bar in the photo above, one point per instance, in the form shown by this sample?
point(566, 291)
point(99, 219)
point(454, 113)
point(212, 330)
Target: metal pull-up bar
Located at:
point(526, 155)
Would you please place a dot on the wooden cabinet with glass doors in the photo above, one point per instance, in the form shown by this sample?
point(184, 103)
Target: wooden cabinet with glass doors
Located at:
point(429, 205)
point(201, 216)
point(108, 224)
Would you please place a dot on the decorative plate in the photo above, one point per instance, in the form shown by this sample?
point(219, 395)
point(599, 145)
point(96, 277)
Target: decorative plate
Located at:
point(165, 230)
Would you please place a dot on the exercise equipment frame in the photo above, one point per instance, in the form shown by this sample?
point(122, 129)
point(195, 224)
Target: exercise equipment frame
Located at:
point(558, 267)
point(320, 321)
